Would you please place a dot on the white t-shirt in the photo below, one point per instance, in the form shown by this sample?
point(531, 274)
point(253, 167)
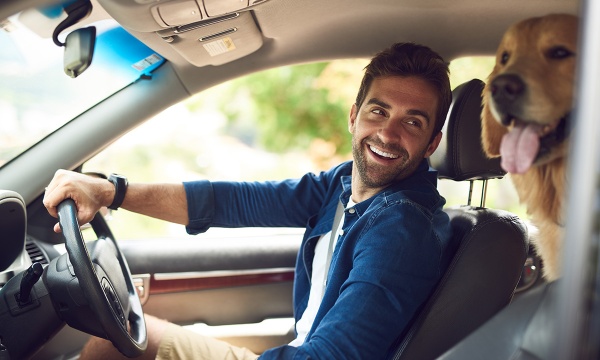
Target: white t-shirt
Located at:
point(316, 283)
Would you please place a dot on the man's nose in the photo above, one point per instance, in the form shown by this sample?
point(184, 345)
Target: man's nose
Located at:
point(390, 131)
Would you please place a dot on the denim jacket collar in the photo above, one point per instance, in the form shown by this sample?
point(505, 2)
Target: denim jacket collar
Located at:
point(362, 206)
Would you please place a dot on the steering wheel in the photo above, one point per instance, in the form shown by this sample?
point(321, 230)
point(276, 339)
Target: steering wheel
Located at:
point(105, 281)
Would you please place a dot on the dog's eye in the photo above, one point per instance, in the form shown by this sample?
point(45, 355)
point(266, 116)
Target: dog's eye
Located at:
point(504, 58)
point(559, 52)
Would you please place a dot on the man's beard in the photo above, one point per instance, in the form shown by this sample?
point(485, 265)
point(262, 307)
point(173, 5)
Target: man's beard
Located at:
point(375, 175)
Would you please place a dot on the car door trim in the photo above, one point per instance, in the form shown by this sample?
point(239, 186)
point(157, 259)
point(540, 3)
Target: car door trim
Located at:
point(162, 283)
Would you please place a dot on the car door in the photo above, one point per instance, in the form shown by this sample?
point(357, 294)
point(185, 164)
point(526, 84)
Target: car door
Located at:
point(209, 283)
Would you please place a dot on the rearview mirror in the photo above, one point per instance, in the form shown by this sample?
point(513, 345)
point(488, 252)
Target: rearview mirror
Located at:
point(79, 50)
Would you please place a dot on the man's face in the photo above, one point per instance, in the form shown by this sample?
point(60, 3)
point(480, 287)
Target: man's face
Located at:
point(391, 130)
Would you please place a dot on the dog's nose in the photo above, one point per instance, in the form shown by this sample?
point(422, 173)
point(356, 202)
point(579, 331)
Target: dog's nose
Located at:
point(507, 90)
point(507, 86)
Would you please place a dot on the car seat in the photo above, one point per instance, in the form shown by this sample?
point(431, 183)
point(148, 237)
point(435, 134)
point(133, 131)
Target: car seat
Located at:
point(491, 244)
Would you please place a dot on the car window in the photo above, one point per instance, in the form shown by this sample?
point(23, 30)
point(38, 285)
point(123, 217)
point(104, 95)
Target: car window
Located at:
point(37, 97)
point(211, 137)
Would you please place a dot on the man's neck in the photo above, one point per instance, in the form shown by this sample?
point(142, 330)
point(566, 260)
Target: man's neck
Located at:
point(360, 191)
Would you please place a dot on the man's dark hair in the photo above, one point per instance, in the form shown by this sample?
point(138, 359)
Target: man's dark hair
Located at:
point(408, 59)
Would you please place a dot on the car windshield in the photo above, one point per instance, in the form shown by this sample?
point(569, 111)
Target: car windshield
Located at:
point(36, 95)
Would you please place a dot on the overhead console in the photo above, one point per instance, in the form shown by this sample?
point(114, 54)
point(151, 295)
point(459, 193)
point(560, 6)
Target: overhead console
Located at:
point(188, 11)
point(204, 32)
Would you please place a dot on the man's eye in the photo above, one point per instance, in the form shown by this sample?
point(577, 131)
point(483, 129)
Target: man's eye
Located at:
point(416, 123)
point(377, 111)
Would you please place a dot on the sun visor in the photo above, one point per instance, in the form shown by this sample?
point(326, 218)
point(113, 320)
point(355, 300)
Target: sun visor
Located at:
point(204, 32)
point(217, 40)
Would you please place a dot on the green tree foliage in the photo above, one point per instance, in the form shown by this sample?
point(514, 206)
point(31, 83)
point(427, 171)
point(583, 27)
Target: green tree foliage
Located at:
point(287, 108)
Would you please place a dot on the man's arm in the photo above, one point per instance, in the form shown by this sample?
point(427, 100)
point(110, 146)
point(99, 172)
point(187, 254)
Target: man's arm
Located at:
point(162, 201)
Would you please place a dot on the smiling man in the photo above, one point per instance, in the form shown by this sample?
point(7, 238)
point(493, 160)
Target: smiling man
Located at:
point(355, 291)
point(391, 132)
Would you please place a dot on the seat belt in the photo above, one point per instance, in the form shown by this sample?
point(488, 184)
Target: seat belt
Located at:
point(334, 233)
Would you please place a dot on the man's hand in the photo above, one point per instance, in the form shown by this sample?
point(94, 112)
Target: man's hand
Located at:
point(89, 193)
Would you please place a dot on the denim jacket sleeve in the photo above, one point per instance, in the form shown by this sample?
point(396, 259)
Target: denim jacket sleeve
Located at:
point(287, 203)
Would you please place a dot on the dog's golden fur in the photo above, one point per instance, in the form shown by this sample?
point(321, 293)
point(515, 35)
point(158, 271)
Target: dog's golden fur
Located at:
point(531, 86)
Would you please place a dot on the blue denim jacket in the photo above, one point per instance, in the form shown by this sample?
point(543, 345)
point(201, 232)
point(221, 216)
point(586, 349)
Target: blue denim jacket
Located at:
point(394, 249)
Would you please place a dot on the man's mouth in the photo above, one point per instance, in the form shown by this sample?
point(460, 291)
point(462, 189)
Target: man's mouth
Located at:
point(383, 154)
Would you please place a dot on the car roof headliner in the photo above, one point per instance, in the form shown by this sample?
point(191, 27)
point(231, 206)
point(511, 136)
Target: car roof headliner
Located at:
point(296, 31)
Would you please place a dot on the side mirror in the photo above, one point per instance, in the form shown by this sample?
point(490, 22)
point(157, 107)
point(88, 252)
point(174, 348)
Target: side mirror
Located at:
point(79, 50)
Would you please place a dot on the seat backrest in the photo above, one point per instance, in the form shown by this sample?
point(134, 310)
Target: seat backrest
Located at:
point(492, 244)
point(522, 331)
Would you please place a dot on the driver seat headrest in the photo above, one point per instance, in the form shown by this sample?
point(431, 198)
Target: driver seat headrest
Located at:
point(460, 155)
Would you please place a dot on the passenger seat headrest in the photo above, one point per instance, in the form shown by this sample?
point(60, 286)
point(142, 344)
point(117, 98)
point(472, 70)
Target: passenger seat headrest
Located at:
point(460, 155)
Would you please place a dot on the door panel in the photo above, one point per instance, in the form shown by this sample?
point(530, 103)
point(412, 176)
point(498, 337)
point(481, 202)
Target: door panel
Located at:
point(211, 284)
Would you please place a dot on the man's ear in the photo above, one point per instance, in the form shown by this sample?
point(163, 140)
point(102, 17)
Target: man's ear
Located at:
point(352, 118)
point(433, 144)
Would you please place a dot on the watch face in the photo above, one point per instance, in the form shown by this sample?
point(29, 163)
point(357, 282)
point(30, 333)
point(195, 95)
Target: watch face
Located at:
point(117, 176)
point(118, 179)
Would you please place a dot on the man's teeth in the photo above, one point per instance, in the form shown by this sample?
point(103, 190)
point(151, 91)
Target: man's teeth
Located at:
point(381, 153)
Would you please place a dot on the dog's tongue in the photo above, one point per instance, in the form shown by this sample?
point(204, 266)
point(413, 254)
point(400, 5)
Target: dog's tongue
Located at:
point(519, 148)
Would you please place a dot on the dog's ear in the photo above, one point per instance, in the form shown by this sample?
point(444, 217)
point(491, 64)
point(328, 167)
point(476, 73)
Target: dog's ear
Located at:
point(491, 131)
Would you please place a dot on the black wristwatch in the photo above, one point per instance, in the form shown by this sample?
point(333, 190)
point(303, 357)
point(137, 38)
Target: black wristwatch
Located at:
point(120, 183)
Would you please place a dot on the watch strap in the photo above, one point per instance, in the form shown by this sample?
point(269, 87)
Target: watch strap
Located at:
point(120, 183)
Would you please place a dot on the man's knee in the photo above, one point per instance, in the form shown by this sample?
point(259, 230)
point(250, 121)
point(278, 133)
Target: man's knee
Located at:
point(98, 348)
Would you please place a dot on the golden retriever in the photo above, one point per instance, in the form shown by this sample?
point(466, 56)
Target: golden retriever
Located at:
point(526, 105)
